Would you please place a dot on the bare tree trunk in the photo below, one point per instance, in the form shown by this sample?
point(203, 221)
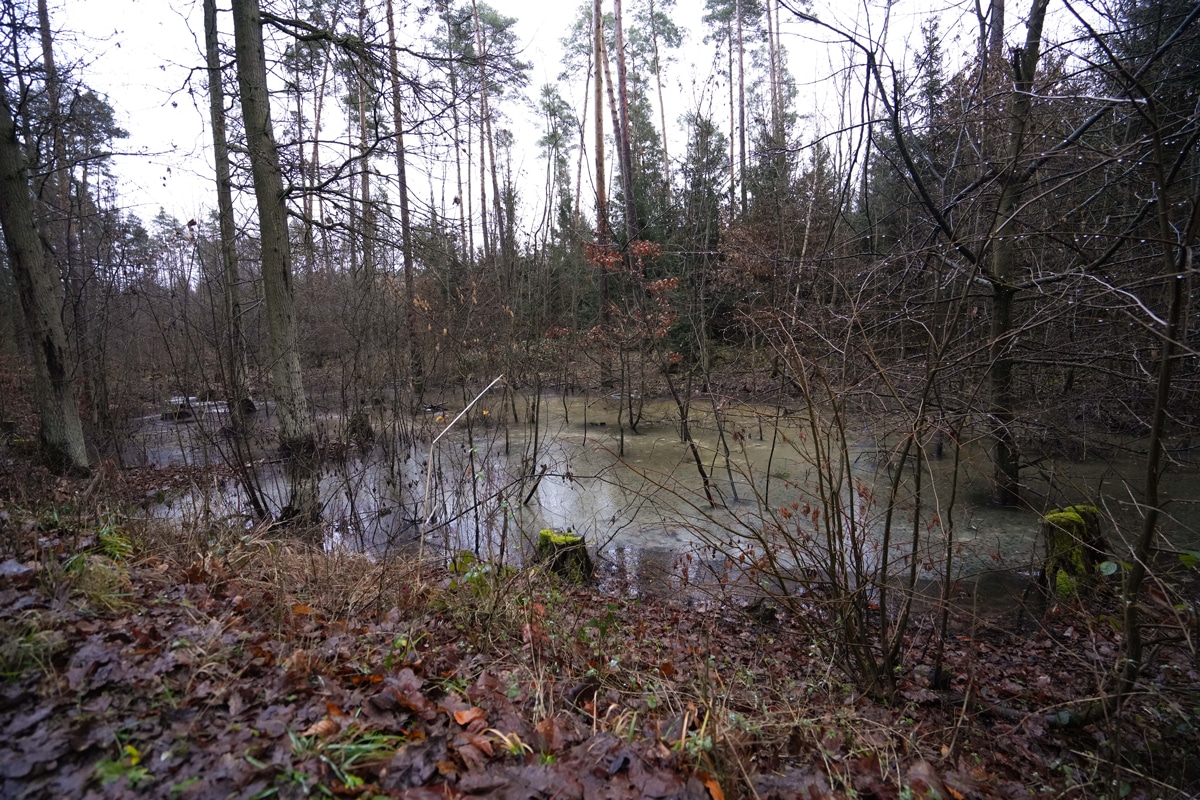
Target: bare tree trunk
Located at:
point(314, 175)
point(603, 233)
point(39, 288)
point(631, 222)
point(296, 434)
point(601, 198)
point(365, 283)
point(576, 214)
point(416, 370)
point(460, 200)
point(489, 252)
point(996, 33)
point(741, 106)
point(1012, 185)
point(237, 394)
point(732, 133)
point(776, 69)
point(486, 122)
point(54, 192)
point(662, 105)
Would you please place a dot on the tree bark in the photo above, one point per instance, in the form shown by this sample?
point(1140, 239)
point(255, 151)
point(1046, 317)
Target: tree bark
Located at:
point(601, 198)
point(996, 33)
point(237, 394)
point(741, 106)
point(364, 376)
point(54, 191)
point(631, 222)
point(40, 290)
point(1006, 476)
point(416, 371)
point(497, 201)
point(662, 102)
point(465, 245)
point(733, 204)
point(296, 435)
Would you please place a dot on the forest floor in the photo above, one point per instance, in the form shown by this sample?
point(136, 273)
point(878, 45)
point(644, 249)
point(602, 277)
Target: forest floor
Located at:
point(142, 661)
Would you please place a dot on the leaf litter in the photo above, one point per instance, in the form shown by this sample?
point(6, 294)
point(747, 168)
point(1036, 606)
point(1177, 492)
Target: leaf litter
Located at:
point(207, 681)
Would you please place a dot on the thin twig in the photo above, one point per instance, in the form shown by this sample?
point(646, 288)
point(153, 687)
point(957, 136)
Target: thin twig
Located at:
point(425, 515)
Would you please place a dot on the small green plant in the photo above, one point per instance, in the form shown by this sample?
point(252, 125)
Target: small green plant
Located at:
point(596, 632)
point(511, 743)
point(402, 650)
point(350, 750)
point(114, 543)
point(476, 574)
point(111, 538)
point(179, 788)
point(110, 770)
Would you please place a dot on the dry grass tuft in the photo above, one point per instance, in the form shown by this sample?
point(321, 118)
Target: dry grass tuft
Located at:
point(103, 583)
point(338, 584)
point(28, 641)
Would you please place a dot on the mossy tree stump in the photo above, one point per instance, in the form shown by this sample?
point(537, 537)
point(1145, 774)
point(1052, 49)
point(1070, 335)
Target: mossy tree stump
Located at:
point(1074, 548)
point(565, 554)
point(360, 429)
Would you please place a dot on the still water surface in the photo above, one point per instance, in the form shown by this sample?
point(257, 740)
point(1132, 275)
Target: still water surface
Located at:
point(497, 478)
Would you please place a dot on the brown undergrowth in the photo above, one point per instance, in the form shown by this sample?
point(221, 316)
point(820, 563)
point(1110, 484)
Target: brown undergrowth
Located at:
point(140, 660)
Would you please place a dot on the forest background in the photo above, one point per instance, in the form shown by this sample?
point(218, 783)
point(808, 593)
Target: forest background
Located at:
point(984, 248)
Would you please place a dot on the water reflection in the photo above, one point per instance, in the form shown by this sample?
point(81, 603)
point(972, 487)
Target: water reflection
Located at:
point(639, 498)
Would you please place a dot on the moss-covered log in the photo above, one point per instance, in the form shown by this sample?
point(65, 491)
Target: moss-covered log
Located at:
point(565, 554)
point(1074, 548)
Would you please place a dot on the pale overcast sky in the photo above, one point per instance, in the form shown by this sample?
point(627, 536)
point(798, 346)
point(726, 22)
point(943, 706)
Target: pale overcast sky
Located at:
point(141, 52)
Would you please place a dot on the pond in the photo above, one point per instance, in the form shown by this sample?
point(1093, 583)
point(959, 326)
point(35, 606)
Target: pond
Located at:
point(511, 467)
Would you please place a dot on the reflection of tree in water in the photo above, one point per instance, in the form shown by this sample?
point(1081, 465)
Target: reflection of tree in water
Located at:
point(647, 503)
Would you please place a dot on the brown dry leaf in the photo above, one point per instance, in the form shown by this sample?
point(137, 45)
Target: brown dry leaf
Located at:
point(924, 781)
point(323, 728)
point(482, 742)
point(406, 687)
point(965, 781)
point(471, 755)
point(470, 715)
point(714, 788)
point(553, 733)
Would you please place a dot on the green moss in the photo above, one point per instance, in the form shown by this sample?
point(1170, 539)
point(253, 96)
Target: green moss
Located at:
point(1064, 584)
point(565, 554)
point(549, 536)
point(1074, 546)
point(462, 561)
point(1065, 517)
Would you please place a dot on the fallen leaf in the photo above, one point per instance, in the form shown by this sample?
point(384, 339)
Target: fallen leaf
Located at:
point(470, 715)
point(12, 568)
point(414, 764)
point(924, 781)
point(472, 757)
point(554, 734)
point(482, 742)
point(323, 728)
point(714, 788)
